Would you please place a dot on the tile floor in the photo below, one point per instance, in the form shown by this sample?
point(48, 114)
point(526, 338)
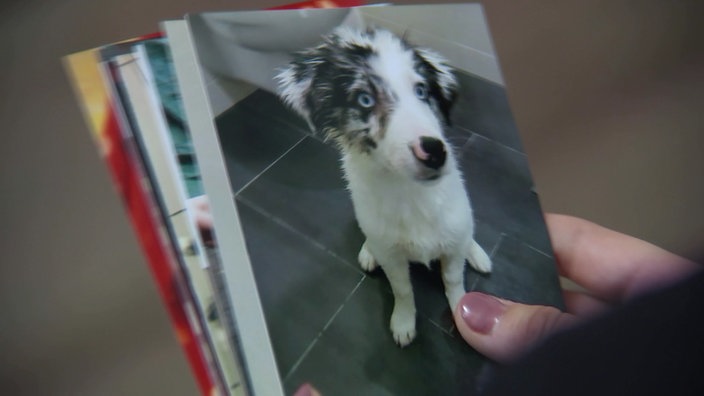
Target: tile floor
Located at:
point(328, 319)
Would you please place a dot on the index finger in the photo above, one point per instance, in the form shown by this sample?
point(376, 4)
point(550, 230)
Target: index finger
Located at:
point(612, 266)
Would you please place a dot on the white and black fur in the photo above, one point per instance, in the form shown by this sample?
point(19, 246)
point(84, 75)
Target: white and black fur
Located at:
point(385, 103)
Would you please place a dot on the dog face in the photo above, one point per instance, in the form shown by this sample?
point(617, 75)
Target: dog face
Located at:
point(377, 95)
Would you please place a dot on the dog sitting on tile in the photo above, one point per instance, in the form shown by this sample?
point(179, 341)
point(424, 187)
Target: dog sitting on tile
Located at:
point(385, 103)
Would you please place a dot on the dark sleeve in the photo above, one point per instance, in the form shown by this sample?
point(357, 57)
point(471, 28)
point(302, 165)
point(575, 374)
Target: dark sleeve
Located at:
point(651, 346)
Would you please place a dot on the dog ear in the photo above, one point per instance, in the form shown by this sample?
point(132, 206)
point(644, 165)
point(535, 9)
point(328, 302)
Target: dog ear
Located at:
point(441, 79)
point(295, 80)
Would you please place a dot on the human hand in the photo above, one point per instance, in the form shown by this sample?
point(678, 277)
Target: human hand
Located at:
point(610, 266)
point(199, 207)
point(306, 390)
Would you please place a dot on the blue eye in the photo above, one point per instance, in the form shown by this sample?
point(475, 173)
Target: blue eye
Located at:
point(365, 100)
point(421, 91)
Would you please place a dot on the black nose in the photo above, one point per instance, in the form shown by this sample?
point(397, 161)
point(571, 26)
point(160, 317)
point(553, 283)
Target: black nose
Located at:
point(435, 149)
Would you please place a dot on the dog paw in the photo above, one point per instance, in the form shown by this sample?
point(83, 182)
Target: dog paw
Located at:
point(366, 260)
point(403, 327)
point(482, 265)
point(479, 260)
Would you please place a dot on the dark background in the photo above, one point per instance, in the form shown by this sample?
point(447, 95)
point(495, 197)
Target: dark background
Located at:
point(606, 94)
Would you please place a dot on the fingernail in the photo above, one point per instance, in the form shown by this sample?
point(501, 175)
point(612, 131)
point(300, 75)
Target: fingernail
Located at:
point(306, 390)
point(481, 312)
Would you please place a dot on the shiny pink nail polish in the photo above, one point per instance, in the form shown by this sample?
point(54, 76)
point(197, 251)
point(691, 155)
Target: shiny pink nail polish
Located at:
point(481, 312)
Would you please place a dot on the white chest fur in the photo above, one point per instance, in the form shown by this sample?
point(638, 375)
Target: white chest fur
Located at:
point(421, 221)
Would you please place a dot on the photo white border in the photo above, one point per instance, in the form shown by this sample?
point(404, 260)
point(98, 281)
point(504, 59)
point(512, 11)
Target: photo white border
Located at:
point(260, 371)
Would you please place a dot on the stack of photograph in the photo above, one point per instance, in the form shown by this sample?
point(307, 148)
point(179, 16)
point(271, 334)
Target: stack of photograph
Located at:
point(316, 188)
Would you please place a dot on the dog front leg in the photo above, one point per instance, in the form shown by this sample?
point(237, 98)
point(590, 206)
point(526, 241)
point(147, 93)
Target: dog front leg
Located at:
point(403, 318)
point(366, 259)
point(453, 278)
point(478, 258)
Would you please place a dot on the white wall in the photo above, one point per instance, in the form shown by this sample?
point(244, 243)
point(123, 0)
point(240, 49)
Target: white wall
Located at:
point(457, 31)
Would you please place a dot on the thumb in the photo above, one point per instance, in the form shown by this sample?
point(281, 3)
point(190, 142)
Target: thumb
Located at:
point(502, 329)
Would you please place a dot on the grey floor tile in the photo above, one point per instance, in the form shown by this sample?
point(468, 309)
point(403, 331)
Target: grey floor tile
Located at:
point(300, 286)
point(356, 355)
point(429, 293)
point(487, 236)
point(501, 190)
point(483, 107)
point(521, 274)
point(457, 136)
point(305, 189)
point(268, 105)
point(250, 142)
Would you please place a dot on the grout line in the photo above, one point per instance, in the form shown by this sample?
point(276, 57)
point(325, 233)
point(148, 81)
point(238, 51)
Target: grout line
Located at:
point(538, 250)
point(470, 48)
point(305, 353)
point(467, 76)
point(451, 331)
point(491, 255)
point(474, 285)
point(496, 142)
point(349, 296)
point(269, 166)
point(496, 246)
point(300, 359)
point(468, 131)
point(309, 239)
point(444, 330)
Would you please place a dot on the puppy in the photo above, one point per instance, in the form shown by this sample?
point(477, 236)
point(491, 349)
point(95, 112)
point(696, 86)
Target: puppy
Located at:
point(385, 103)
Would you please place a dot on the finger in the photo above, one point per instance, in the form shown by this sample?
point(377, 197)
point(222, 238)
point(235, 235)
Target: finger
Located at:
point(306, 390)
point(204, 219)
point(583, 305)
point(611, 265)
point(502, 330)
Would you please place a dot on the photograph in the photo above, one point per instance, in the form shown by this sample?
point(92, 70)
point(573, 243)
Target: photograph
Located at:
point(154, 132)
point(378, 175)
point(351, 197)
